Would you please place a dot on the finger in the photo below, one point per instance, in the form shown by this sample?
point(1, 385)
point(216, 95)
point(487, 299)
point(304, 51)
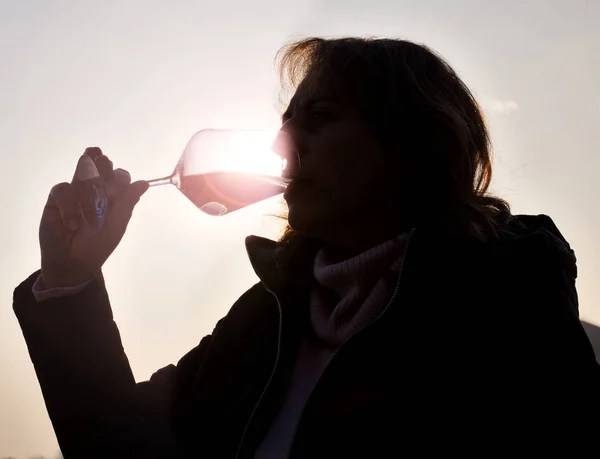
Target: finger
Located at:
point(85, 170)
point(122, 210)
point(64, 198)
point(118, 181)
point(104, 166)
point(132, 194)
point(93, 152)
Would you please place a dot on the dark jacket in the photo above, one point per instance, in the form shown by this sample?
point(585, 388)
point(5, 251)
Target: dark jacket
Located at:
point(479, 349)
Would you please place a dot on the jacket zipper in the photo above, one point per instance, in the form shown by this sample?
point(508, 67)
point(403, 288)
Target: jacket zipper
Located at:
point(389, 303)
point(275, 365)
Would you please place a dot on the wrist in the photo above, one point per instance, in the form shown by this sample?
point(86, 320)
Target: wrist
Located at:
point(53, 280)
point(41, 292)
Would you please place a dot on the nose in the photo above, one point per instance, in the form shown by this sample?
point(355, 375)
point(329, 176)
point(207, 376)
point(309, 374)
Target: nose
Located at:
point(284, 146)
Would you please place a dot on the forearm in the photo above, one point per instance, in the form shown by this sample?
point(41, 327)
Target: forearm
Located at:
point(89, 390)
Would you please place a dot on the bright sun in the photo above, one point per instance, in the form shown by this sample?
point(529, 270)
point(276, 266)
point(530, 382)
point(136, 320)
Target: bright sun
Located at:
point(237, 151)
point(251, 151)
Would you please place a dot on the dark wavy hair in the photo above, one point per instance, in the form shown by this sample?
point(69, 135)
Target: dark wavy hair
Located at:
point(425, 117)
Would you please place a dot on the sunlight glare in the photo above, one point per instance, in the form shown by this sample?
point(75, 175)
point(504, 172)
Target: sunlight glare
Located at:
point(233, 151)
point(251, 151)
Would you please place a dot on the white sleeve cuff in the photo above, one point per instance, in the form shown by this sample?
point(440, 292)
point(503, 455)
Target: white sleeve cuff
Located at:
point(41, 293)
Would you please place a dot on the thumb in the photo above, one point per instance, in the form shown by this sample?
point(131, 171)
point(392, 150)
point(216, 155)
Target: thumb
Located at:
point(123, 207)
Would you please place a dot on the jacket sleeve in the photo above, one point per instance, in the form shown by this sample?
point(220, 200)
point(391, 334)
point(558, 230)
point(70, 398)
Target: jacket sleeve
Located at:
point(559, 374)
point(560, 339)
point(96, 407)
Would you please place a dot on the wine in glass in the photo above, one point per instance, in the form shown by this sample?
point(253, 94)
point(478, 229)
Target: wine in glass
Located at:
point(220, 171)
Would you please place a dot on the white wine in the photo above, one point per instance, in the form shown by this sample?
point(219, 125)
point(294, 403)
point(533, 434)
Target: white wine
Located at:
point(219, 193)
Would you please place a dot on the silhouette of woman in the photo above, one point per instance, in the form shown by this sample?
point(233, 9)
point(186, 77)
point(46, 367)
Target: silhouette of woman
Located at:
point(404, 309)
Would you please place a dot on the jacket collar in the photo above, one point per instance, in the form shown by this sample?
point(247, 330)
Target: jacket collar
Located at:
point(528, 240)
point(263, 254)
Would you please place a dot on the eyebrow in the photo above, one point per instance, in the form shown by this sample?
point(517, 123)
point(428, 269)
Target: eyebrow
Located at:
point(308, 104)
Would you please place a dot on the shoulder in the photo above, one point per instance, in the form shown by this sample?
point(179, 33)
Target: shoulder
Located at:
point(535, 271)
point(252, 302)
point(539, 259)
point(528, 271)
point(255, 310)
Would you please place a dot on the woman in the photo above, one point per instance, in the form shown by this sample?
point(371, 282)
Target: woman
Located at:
point(403, 308)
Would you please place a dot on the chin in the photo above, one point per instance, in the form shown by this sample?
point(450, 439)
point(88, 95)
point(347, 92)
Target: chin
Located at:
point(301, 220)
point(309, 222)
point(295, 218)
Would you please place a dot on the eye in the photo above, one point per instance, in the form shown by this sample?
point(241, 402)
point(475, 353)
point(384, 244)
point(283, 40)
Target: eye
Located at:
point(319, 114)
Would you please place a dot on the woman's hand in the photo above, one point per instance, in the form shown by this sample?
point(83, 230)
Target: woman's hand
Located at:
point(72, 253)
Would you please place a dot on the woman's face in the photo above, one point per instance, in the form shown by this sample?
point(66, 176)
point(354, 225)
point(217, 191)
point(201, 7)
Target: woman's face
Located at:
point(338, 192)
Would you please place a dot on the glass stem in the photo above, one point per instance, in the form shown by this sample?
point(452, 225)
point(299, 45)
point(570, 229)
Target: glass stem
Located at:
point(162, 181)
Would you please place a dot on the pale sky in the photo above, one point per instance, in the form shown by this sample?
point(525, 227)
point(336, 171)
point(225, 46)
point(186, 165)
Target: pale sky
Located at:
point(138, 78)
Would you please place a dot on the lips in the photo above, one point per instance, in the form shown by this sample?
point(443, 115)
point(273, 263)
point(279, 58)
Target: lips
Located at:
point(285, 147)
point(292, 168)
point(294, 187)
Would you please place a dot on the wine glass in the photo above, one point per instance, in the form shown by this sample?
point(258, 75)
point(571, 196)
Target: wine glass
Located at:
point(220, 171)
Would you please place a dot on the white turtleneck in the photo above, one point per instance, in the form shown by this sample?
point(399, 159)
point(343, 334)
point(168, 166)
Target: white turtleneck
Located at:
point(350, 295)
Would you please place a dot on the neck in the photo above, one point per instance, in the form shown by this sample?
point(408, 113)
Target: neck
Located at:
point(354, 240)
